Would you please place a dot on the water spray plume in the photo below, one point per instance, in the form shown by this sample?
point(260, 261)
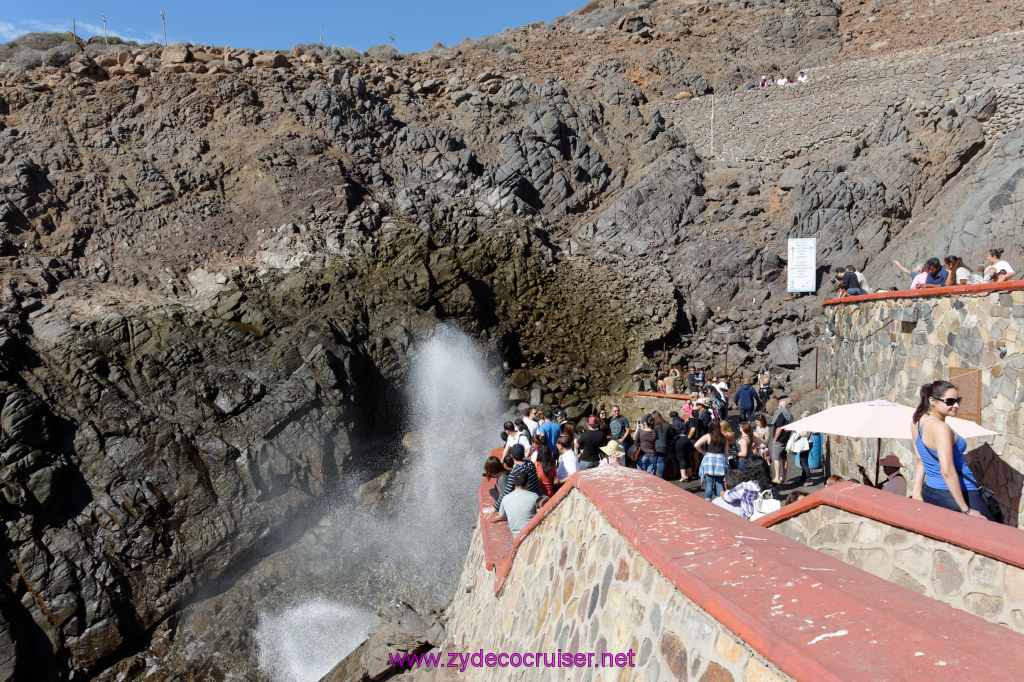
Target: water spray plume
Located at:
point(414, 553)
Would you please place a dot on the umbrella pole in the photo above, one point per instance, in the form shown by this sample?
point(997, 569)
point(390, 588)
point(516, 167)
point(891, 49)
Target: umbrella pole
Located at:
point(878, 459)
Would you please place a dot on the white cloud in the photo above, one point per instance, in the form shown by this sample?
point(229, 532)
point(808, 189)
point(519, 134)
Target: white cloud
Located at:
point(85, 30)
point(8, 32)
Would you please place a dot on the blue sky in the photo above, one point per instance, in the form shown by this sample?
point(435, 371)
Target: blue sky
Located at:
point(279, 25)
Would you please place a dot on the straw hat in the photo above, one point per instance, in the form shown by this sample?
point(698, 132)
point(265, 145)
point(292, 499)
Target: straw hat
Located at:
point(613, 449)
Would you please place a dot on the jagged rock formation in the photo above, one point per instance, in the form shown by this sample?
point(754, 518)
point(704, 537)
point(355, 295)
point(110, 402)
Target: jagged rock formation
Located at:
point(215, 261)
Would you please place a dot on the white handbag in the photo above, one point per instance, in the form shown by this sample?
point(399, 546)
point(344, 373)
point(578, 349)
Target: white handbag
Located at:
point(765, 504)
point(797, 444)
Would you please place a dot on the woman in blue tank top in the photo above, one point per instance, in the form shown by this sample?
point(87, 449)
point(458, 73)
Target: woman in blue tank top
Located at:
point(941, 476)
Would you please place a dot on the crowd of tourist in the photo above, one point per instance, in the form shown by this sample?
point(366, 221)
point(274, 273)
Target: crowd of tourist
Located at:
point(737, 461)
point(740, 468)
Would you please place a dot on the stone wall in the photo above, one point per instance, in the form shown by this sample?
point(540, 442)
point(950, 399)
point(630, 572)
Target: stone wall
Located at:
point(869, 356)
point(962, 578)
point(840, 101)
point(635, 406)
point(578, 585)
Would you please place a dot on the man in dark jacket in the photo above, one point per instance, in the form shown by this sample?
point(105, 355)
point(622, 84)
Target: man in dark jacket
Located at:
point(746, 400)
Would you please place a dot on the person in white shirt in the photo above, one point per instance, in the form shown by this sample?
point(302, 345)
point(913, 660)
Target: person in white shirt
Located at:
point(961, 274)
point(530, 419)
point(781, 81)
point(513, 436)
point(568, 464)
point(1003, 271)
point(802, 78)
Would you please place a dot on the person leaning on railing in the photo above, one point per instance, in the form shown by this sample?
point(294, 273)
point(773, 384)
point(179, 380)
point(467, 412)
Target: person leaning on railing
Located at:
point(997, 270)
point(960, 273)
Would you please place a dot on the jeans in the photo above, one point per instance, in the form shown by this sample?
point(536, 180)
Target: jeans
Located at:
point(586, 465)
point(944, 499)
point(854, 291)
point(742, 463)
point(660, 466)
point(713, 487)
point(648, 463)
point(747, 415)
point(805, 459)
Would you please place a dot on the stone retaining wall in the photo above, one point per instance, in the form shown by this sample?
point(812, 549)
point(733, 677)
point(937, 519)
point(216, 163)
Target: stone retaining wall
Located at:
point(839, 102)
point(621, 561)
point(579, 586)
point(870, 356)
point(960, 577)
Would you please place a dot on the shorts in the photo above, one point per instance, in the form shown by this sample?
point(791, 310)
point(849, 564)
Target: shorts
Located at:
point(779, 453)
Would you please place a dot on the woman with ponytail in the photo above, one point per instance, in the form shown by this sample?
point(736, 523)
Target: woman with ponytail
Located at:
point(941, 476)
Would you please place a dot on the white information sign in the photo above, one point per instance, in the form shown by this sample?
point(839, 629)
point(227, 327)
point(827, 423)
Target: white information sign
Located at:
point(803, 265)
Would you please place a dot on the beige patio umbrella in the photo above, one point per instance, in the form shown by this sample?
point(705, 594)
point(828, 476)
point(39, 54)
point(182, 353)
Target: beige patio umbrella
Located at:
point(876, 419)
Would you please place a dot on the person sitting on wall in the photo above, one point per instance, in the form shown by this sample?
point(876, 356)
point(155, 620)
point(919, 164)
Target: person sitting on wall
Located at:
point(801, 77)
point(518, 506)
point(1002, 270)
point(936, 275)
point(894, 481)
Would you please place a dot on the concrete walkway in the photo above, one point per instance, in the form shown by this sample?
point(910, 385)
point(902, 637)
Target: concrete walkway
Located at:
point(817, 482)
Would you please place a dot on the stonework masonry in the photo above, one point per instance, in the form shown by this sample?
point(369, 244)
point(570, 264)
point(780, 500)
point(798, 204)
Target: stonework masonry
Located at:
point(960, 577)
point(840, 102)
point(578, 585)
point(871, 355)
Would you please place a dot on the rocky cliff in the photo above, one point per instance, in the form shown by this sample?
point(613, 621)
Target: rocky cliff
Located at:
point(216, 261)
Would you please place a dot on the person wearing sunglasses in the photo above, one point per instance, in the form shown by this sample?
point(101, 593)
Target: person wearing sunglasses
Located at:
point(941, 475)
